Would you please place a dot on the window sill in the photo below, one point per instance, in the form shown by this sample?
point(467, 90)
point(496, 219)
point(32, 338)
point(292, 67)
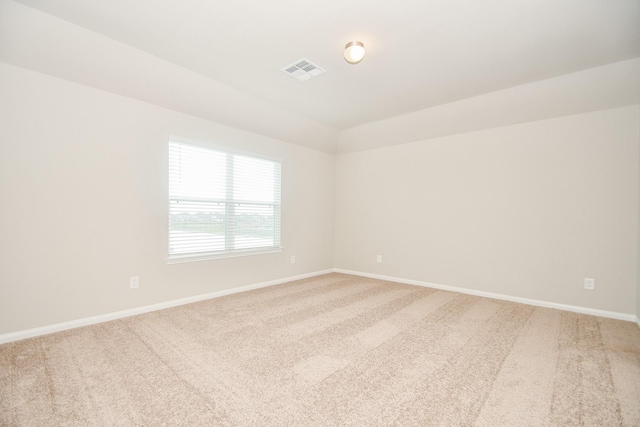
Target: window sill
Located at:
point(194, 258)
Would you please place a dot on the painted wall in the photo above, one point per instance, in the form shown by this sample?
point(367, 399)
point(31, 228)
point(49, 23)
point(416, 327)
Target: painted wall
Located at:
point(40, 42)
point(527, 210)
point(594, 89)
point(83, 201)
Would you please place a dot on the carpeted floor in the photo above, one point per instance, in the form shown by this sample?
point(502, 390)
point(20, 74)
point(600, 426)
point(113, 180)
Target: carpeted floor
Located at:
point(328, 351)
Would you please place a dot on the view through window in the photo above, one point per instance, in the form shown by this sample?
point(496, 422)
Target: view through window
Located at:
point(221, 203)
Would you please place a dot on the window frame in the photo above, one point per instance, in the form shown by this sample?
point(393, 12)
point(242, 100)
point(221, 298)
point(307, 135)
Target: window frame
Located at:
point(227, 253)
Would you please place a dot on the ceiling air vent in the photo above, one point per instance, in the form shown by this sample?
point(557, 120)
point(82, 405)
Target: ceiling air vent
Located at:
point(303, 70)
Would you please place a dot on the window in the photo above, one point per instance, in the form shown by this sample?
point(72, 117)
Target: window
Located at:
point(221, 203)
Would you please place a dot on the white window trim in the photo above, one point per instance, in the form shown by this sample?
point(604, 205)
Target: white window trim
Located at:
point(179, 259)
point(183, 258)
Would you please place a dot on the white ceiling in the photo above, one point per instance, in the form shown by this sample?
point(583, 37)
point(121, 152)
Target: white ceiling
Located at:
point(420, 53)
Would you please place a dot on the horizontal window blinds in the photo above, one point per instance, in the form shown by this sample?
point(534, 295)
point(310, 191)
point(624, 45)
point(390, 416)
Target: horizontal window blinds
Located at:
point(221, 203)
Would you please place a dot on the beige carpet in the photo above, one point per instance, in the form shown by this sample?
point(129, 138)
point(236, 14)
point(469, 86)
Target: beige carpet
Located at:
point(328, 351)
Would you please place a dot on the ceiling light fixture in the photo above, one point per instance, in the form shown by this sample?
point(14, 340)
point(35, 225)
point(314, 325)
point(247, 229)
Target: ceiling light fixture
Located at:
point(354, 52)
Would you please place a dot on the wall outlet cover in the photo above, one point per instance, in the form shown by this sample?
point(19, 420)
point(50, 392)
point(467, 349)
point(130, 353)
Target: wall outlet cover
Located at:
point(589, 283)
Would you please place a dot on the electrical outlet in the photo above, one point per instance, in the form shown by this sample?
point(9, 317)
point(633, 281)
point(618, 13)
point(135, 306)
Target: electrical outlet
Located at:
point(379, 258)
point(589, 283)
point(293, 260)
point(134, 282)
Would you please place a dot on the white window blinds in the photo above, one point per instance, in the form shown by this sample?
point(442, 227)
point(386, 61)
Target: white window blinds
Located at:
point(221, 203)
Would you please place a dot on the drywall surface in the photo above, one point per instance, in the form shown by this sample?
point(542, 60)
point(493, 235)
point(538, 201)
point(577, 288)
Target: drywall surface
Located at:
point(527, 210)
point(84, 205)
point(606, 87)
point(40, 42)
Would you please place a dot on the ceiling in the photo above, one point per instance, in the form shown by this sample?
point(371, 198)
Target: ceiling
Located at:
point(420, 53)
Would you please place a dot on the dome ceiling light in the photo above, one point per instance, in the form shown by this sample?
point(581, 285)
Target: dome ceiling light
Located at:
point(354, 52)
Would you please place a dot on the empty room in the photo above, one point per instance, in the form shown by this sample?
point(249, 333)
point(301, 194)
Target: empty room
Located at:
point(344, 213)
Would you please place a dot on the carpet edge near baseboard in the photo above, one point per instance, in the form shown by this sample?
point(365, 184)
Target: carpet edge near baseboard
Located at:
point(63, 326)
point(57, 327)
point(527, 301)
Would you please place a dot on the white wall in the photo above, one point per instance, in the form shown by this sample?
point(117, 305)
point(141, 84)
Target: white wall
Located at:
point(83, 202)
point(32, 39)
point(638, 265)
point(527, 210)
point(594, 89)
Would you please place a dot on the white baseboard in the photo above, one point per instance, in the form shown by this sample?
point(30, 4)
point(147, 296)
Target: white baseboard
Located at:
point(30, 333)
point(538, 303)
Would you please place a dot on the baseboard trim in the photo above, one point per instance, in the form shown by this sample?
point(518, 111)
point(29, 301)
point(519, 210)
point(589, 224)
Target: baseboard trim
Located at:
point(49, 329)
point(538, 303)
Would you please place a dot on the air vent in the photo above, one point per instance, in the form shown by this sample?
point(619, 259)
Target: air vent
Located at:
point(303, 70)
